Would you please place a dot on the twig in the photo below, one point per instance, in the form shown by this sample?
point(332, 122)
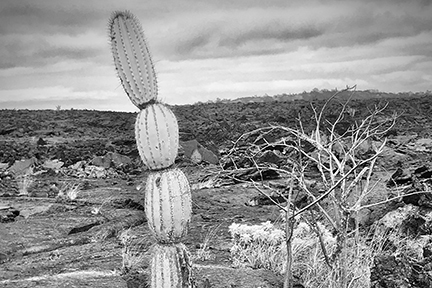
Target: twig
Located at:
point(394, 198)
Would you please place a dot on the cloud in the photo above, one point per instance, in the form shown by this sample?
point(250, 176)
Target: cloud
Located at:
point(260, 29)
point(235, 35)
point(293, 72)
point(59, 51)
point(27, 17)
point(33, 53)
point(216, 34)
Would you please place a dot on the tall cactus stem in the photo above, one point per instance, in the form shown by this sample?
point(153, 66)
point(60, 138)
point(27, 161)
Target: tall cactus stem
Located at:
point(168, 200)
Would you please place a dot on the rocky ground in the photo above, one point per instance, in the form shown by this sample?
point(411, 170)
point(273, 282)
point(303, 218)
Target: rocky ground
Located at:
point(71, 201)
point(49, 242)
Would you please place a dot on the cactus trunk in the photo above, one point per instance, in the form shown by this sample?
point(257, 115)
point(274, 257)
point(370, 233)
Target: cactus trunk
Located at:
point(167, 193)
point(170, 267)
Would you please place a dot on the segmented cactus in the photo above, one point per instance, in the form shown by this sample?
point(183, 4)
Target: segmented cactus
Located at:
point(167, 193)
point(157, 136)
point(132, 58)
point(170, 267)
point(168, 189)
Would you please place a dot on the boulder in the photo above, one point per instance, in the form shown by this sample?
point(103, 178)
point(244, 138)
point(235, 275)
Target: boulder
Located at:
point(111, 159)
point(414, 179)
point(8, 214)
point(101, 161)
point(196, 157)
point(96, 172)
point(54, 165)
point(409, 219)
point(78, 165)
point(389, 271)
point(41, 142)
point(399, 177)
point(197, 153)
point(21, 167)
point(119, 160)
point(400, 140)
point(404, 260)
point(421, 145)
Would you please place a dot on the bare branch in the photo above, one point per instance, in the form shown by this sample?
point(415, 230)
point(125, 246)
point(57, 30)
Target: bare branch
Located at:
point(394, 198)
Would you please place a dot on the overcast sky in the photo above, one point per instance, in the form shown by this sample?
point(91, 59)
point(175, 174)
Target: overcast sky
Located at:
point(56, 52)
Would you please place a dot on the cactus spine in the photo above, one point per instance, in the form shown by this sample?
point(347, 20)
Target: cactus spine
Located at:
point(167, 193)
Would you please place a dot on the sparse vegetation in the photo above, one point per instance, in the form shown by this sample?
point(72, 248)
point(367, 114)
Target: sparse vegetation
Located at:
point(345, 159)
point(203, 253)
point(69, 191)
point(25, 181)
point(109, 206)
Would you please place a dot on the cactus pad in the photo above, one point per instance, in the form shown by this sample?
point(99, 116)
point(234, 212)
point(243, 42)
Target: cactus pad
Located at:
point(170, 267)
point(157, 136)
point(132, 58)
point(168, 205)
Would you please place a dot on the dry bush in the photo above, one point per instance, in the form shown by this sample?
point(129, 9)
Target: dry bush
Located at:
point(69, 191)
point(264, 246)
point(345, 159)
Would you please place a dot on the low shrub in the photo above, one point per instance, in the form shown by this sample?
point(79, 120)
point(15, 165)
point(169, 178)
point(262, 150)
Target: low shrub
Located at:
point(264, 246)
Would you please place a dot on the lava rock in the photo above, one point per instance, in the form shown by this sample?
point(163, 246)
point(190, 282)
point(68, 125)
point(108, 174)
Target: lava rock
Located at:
point(8, 214)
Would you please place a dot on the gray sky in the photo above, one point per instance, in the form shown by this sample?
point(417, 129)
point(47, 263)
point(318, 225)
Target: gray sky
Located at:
point(56, 52)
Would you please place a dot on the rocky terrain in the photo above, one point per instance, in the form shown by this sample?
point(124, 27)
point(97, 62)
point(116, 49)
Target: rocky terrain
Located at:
point(71, 192)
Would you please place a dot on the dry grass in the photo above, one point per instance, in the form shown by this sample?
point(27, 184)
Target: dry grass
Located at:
point(24, 183)
point(264, 246)
point(135, 253)
point(203, 253)
point(69, 191)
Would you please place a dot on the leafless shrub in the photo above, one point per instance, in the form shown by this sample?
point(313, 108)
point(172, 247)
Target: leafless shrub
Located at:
point(345, 160)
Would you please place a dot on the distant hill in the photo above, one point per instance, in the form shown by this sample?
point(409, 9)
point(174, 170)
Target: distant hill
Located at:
point(324, 94)
point(72, 135)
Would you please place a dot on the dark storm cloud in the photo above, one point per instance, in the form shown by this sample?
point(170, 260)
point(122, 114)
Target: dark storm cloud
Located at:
point(186, 46)
point(232, 38)
point(39, 52)
point(27, 17)
point(278, 29)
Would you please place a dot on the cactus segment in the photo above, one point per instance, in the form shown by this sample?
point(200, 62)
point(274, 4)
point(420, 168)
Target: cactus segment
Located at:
point(168, 205)
point(157, 136)
point(170, 267)
point(132, 58)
